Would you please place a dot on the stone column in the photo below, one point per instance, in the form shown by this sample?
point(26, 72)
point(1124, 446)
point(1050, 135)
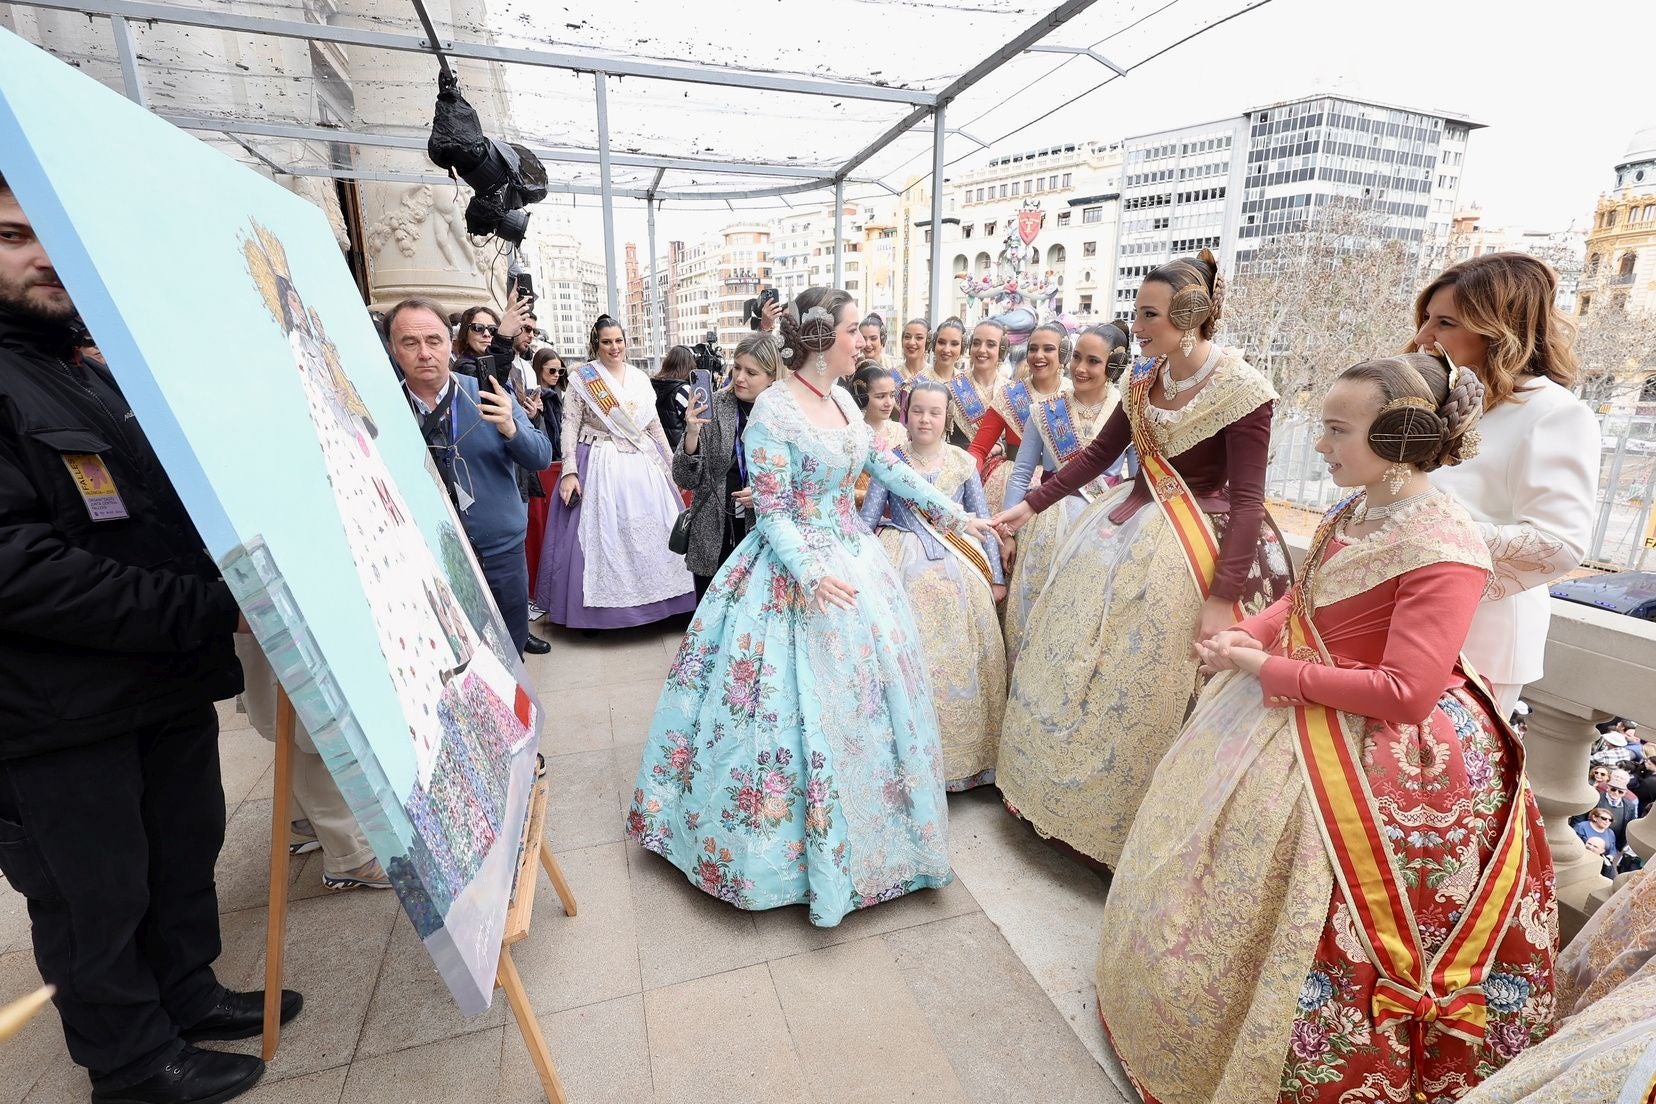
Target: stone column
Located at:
point(1561, 736)
point(415, 234)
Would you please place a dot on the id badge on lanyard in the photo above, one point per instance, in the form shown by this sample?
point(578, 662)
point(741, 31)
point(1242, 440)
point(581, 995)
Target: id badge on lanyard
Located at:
point(740, 511)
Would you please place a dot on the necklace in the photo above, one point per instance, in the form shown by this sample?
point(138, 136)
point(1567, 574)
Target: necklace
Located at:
point(1173, 388)
point(1089, 411)
point(924, 463)
point(1366, 513)
point(800, 376)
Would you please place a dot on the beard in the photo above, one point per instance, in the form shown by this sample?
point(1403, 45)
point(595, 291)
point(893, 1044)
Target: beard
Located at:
point(36, 302)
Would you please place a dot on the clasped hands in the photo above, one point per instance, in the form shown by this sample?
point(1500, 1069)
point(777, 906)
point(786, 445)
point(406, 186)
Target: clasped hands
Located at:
point(1231, 650)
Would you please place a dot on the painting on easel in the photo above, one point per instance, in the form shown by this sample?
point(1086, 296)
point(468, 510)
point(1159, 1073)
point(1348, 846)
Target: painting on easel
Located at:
point(287, 434)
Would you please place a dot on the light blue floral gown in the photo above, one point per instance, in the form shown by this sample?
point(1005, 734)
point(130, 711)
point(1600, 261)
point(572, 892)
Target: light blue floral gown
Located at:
point(794, 756)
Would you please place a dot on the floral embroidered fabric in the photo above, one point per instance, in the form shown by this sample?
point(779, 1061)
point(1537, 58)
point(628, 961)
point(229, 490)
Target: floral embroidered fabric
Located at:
point(794, 756)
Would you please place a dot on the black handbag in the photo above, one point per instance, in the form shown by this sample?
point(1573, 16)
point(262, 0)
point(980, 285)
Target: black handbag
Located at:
point(678, 541)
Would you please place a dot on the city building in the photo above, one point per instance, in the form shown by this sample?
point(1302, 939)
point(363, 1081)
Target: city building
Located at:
point(1233, 185)
point(1473, 235)
point(1404, 163)
point(1076, 187)
point(1181, 191)
point(1621, 246)
point(569, 287)
point(702, 289)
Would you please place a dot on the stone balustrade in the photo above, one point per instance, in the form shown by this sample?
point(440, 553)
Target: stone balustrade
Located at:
point(1599, 664)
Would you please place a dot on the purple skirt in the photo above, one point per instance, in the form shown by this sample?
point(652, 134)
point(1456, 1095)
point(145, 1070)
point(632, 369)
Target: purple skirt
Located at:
point(558, 591)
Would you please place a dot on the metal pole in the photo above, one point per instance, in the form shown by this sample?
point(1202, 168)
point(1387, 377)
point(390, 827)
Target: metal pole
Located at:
point(839, 234)
point(934, 308)
point(652, 316)
point(1595, 551)
point(598, 84)
point(127, 48)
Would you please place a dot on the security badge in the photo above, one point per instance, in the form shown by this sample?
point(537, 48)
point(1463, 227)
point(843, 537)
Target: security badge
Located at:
point(96, 486)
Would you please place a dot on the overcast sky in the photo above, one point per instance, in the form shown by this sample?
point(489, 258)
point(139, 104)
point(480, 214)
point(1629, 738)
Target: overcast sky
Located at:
point(1561, 88)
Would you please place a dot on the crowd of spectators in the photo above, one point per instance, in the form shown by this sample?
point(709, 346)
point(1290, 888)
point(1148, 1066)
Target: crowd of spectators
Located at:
point(1623, 771)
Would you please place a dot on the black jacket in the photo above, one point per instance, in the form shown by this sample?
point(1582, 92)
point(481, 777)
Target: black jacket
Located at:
point(104, 625)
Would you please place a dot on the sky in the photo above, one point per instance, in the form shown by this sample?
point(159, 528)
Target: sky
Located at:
point(1560, 87)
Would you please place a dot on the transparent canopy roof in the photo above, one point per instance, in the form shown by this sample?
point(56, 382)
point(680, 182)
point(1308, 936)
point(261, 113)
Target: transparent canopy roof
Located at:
point(730, 102)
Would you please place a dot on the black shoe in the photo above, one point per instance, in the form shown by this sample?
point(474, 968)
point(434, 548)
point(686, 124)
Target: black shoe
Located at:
point(537, 646)
point(239, 1016)
point(192, 1077)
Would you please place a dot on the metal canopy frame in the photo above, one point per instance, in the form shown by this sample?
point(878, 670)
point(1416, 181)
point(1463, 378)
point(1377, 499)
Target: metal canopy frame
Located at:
point(792, 178)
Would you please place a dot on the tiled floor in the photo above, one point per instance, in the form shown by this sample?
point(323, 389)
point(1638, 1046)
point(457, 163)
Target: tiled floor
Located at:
point(978, 992)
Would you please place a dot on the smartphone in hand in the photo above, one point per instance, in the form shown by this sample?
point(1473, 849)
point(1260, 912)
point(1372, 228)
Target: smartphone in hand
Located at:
point(701, 389)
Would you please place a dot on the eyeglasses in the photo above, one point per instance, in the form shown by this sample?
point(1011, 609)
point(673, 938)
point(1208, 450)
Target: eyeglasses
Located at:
point(480, 328)
point(1618, 789)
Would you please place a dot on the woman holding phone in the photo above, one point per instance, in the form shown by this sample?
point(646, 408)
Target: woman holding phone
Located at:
point(711, 463)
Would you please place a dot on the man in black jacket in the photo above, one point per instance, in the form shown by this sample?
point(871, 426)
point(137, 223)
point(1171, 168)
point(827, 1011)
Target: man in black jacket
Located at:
point(115, 641)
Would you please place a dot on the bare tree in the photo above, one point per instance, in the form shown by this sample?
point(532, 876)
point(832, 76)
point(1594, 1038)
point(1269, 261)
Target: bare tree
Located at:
point(1332, 288)
point(1616, 342)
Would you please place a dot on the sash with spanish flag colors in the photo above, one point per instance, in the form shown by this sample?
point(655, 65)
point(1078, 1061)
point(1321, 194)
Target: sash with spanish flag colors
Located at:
point(1446, 989)
point(1167, 486)
point(964, 548)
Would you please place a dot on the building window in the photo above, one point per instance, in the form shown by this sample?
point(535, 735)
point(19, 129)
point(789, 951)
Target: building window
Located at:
point(1092, 214)
point(1089, 249)
point(988, 229)
point(1067, 180)
point(1627, 262)
point(1086, 304)
point(1052, 182)
point(1063, 218)
point(1016, 185)
point(1003, 191)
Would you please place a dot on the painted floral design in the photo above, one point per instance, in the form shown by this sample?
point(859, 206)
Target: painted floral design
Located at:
point(714, 873)
point(693, 666)
point(1506, 993)
point(762, 800)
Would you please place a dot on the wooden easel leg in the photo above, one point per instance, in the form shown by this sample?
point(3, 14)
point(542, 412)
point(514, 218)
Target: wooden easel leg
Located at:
point(276, 918)
point(507, 978)
point(559, 882)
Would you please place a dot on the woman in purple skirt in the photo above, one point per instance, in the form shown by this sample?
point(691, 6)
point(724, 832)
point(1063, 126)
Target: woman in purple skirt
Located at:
point(605, 563)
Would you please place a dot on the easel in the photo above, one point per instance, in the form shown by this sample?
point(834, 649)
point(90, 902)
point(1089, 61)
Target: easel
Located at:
point(533, 852)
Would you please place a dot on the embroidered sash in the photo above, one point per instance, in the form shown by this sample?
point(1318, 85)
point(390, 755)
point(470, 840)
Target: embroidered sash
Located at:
point(1055, 420)
point(963, 547)
point(1448, 989)
point(1168, 488)
point(1018, 398)
point(595, 389)
point(969, 402)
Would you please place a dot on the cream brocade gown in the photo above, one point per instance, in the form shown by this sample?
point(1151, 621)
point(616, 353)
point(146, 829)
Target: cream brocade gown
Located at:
point(1105, 673)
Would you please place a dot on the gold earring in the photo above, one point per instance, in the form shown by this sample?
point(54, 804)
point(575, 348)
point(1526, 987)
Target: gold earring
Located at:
point(1187, 342)
point(1397, 475)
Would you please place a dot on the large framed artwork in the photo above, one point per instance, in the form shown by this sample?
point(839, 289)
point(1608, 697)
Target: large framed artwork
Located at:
point(225, 311)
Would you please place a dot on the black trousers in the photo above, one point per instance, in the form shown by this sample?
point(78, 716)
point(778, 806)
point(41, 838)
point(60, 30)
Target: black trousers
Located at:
point(113, 844)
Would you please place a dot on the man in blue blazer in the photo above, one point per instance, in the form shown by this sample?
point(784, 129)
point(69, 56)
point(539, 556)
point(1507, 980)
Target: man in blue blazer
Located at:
point(478, 435)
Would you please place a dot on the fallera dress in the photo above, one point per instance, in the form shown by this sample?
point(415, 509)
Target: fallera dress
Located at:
point(1002, 424)
point(1105, 673)
point(794, 757)
point(1248, 919)
point(949, 590)
point(1057, 429)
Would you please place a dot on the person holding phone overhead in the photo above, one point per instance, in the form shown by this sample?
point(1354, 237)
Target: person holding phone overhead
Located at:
point(711, 461)
point(607, 564)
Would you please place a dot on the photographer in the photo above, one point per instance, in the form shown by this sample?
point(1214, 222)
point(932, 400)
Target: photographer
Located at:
point(478, 467)
point(710, 462)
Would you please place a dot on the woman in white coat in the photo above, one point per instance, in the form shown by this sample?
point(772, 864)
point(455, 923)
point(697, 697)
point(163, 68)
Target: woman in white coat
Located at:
point(1533, 483)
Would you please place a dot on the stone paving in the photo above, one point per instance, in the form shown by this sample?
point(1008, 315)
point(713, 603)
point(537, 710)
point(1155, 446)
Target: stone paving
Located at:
point(981, 991)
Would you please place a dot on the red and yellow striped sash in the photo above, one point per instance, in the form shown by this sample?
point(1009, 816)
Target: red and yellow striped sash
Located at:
point(1446, 990)
point(597, 387)
point(1190, 525)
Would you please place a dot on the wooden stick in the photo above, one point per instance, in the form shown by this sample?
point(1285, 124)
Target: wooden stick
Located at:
point(559, 882)
point(19, 1012)
point(276, 918)
point(507, 978)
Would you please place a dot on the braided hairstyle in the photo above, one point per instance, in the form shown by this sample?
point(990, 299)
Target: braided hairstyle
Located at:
point(863, 380)
point(1198, 292)
point(604, 322)
point(1427, 411)
point(805, 335)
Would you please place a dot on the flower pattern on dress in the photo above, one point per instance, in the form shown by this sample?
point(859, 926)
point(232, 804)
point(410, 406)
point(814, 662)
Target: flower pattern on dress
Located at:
point(794, 757)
